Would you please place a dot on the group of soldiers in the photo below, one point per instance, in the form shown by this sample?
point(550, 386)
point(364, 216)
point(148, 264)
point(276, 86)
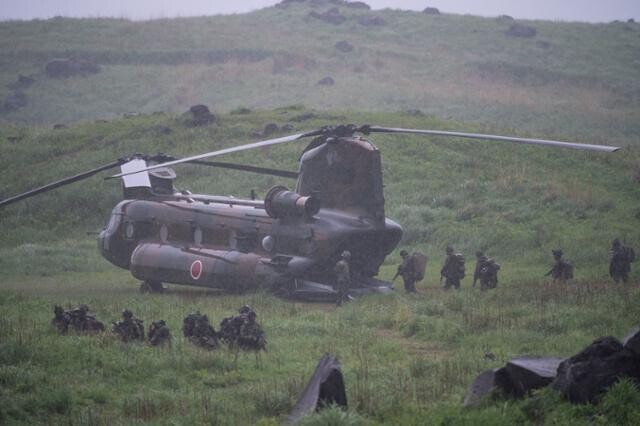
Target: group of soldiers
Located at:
point(129, 329)
point(412, 269)
point(240, 331)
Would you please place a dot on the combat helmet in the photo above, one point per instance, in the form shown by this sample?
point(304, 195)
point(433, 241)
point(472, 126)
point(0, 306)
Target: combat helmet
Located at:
point(245, 309)
point(126, 313)
point(616, 242)
point(557, 253)
point(449, 250)
point(346, 255)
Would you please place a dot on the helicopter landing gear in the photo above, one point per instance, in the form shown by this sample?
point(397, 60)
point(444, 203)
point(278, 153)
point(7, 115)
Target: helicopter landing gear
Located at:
point(151, 287)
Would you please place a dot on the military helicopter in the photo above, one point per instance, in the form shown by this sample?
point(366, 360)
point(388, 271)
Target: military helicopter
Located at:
point(289, 242)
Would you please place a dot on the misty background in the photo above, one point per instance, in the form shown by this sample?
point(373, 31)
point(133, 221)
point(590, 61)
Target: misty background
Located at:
point(567, 10)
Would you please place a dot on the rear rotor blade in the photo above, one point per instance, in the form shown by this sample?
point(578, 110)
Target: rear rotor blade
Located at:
point(582, 146)
point(60, 183)
point(239, 148)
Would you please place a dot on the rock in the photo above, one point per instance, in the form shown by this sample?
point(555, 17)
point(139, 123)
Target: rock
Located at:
point(14, 101)
point(431, 11)
point(270, 129)
point(586, 376)
point(356, 5)
point(524, 374)
point(241, 111)
point(304, 117)
point(23, 82)
point(69, 67)
point(331, 16)
point(520, 30)
point(632, 342)
point(325, 388)
point(327, 81)
point(287, 128)
point(543, 44)
point(505, 18)
point(58, 126)
point(631, 21)
point(344, 46)
point(414, 112)
point(371, 21)
point(482, 386)
point(200, 116)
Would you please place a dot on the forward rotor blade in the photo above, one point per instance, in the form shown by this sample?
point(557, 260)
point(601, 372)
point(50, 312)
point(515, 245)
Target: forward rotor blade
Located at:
point(245, 168)
point(239, 148)
point(572, 145)
point(60, 183)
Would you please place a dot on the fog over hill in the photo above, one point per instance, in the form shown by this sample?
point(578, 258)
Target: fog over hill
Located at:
point(568, 10)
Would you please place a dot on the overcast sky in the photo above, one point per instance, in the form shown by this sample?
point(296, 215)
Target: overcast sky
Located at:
point(566, 10)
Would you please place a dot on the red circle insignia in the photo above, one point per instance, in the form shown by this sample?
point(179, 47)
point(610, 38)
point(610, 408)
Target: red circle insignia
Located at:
point(196, 269)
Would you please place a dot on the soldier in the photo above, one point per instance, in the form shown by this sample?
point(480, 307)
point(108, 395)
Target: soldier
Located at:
point(84, 322)
point(453, 269)
point(159, 334)
point(230, 326)
point(343, 277)
point(189, 323)
point(562, 270)
point(252, 337)
point(486, 271)
point(407, 271)
point(60, 320)
point(620, 264)
point(130, 328)
point(204, 335)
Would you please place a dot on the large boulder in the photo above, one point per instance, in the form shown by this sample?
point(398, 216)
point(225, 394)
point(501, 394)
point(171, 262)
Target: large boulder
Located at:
point(431, 11)
point(199, 115)
point(344, 46)
point(371, 21)
point(632, 341)
point(586, 376)
point(331, 16)
point(70, 67)
point(326, 81)
point(520, 30)
point(23, 82)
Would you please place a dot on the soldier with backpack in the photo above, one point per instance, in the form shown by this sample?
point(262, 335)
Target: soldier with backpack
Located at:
point(486, 271)
point(453, 269)
point(411, 269)
point(562, 270)
point(620, 264)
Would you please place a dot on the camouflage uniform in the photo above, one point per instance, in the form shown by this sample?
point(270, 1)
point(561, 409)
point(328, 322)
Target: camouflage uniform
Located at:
point(562, 270)
point(204, 335)
point(61, 320)
point(230, 326)
point(84, 322)
point(486, 271)
point(620, 264)
point(252, 337)
point(343, 277)
point(189, 323)
point(130, 328)
point(159, 334)
point(407, 271)
point(452, 270)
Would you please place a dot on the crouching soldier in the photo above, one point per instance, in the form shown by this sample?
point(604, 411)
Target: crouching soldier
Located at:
point(82, 321)
point(230, 326)
point(197, 329)
point(159, 334)
point(129, 329)
point(60, 320)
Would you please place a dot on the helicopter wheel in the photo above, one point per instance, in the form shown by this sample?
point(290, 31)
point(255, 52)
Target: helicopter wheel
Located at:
point(151, 287)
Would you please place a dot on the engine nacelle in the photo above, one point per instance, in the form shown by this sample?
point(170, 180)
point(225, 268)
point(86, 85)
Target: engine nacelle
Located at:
point(280, 202)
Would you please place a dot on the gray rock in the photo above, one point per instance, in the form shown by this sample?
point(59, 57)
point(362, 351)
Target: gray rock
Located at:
point(371, 21)
point(70, 67)
point(520, 30)
point(344, 46)
point(326, 81)
point(431, 11)
point(199, 115)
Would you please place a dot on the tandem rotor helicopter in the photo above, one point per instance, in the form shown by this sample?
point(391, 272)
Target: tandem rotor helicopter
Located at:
point(289, 242)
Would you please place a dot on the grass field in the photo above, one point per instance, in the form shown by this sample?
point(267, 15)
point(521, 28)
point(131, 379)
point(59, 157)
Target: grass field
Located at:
point(407, 360)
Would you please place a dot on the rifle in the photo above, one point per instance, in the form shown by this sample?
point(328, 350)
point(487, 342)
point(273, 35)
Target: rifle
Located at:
point(395, 276)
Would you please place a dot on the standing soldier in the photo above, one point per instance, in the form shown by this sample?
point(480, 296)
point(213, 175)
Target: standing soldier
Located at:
point(411, 269)
point(343, 277)
point(453, 269)
point(562, 270)
point(621, 258)
point(486, 271)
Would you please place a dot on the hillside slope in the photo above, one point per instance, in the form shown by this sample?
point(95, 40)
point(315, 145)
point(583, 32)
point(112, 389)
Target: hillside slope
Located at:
point(571, 79)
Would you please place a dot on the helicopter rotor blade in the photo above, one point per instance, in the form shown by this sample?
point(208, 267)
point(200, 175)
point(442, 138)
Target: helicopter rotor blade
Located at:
point(60, 183)
point(572, 145)
point(246, 168)
point(260, 144)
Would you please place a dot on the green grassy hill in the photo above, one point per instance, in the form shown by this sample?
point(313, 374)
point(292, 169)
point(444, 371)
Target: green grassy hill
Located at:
point(571, 79)
point(407, 360)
